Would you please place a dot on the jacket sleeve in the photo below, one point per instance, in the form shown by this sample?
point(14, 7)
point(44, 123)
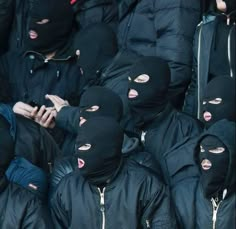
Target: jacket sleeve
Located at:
point(59, 214)
point(190, 104)
point(157, 209)
point(6, 16)
point(68, 119)
point(62, 167)
point(36, 216)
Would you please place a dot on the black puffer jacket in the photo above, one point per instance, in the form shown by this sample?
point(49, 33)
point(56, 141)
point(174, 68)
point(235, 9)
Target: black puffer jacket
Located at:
point(88, 12)
point(193, 209)
point(6, 17)
point(135, 199)
point(159, 28)
point(21, 209)
point(168, 129)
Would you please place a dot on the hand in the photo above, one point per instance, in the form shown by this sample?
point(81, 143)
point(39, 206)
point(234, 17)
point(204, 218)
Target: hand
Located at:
point(57, 102)
point(25, 109)
point(46, 117)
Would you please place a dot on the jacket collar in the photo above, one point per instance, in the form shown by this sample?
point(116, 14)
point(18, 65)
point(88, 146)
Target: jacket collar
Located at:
point(126, 6)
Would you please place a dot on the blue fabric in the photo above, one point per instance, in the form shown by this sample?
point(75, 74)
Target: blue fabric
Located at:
point(29, 176)
point(7, 112)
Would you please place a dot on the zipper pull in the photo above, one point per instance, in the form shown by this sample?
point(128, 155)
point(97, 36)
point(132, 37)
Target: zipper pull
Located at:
point(148, 224)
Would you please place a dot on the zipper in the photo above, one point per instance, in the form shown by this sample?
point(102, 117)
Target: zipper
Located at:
point(215, 210)
point(46, 59)
point(102, 206)
point(148, 223)
point(229, 53)
point(198, 74)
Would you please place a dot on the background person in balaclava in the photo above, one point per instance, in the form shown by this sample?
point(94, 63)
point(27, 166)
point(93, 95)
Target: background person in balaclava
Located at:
point(214, 51)
point(106, 181)
point(20, 208)
point(219, 101)
point(161, 125)
point(211, 202)
point(49, 64)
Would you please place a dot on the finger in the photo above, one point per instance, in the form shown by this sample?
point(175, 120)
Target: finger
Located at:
point(41, 112)
point(50, 121)
point(45, 116)
point(34, 112)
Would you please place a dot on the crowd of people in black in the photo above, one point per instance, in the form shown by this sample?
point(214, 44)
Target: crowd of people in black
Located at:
point(117, 114)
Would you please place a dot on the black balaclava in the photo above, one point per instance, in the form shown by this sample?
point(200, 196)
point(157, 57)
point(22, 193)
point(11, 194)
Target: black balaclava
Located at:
point(213, 177)
point(222, 90)
point(54, 34)
point(102, 139)
point(98, 45)
point(152, 95)
point(6, 146)
point(110, 104)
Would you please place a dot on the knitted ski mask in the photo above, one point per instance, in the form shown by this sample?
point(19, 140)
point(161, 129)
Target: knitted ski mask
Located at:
point(6, 146)
point(98, 149)
point(149, 79)
point(104, 101)
point(98, 45)
point(50, 25)
point(214, 164)
point(219, 101)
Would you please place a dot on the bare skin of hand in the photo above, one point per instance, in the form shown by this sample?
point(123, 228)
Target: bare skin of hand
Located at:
point(57, 101)
point(25, 110)
point(46, 117)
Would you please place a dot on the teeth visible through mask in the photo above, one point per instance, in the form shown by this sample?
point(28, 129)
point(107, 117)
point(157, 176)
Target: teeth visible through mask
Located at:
point(132, 94)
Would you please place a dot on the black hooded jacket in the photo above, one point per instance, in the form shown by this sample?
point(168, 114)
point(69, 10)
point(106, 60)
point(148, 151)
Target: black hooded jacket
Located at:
point(193, 209)
point(21, 209)
point(135, 192)
point(213, 38)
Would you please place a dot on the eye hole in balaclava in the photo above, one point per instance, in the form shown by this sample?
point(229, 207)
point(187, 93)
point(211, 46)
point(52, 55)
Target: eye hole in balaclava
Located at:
point(214, 164)
point(50, 25)
point(219, 101)
point(6, 146)
point(99, 101)
point(98, 149)
point(149, 80)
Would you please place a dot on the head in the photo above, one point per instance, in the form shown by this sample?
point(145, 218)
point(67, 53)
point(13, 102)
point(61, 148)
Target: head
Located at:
point(215, 156)
point(149, 80)
point(98, 149)
point(49, 25)
point(100, 101)
point(219, 101)
point(6, 146)
point(98, 45)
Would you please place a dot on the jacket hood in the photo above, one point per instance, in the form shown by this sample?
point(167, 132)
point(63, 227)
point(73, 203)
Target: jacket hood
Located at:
point(225, 131)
